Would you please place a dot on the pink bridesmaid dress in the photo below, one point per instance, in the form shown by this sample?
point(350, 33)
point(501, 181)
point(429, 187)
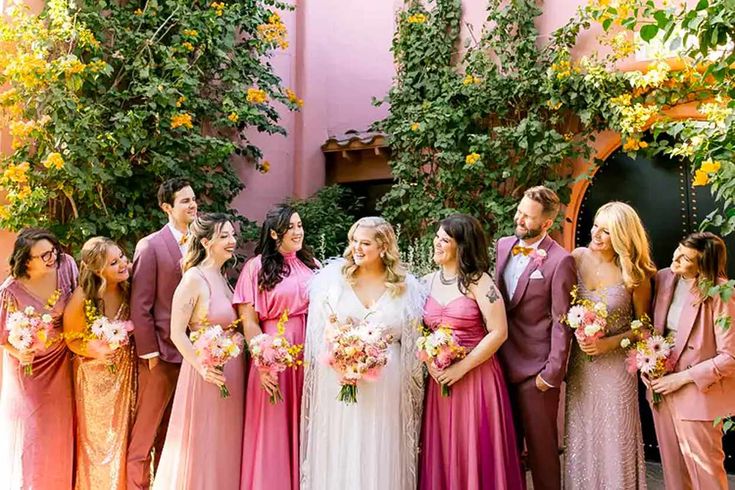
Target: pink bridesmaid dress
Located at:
point(203, 448)
point(271, 435)
point(468, 440)
point(37, 411)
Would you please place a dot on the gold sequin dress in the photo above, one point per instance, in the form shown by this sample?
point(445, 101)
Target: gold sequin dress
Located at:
point(104, 404)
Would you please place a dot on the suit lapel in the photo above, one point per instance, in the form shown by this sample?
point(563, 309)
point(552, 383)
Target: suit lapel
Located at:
point(526, 275)
point(504, 248)
point(663, 301)
point(173, 249)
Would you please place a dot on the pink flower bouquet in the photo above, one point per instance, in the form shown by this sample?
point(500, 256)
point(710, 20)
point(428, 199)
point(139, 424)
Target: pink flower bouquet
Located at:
point(104, 335)
point(587, 318)
point(215, 346)
point(30, 330)
point(441, 348)
point(651, 355)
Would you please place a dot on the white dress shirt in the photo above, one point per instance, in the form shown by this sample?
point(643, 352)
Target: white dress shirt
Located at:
point(681, 294)
point(516, 265)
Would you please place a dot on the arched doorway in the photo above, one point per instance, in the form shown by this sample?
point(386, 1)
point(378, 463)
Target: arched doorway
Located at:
point(660, 189)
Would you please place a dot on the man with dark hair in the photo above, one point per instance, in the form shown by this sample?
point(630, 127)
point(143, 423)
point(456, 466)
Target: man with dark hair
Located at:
point(156, 273)
point(535, 276)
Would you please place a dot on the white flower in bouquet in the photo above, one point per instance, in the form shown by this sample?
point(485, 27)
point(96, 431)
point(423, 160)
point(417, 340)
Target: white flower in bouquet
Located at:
point(592, 329)
point(29, 311)
point(46, 318)
point(625, 343)
point(575, 316)
point(601, 309)
point(636, 325)
point(21, 338)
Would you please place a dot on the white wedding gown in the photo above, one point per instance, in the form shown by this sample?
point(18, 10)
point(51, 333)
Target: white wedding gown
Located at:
point(373, 444)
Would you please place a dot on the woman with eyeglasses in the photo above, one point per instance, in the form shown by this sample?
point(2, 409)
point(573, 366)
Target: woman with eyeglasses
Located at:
point(36, 399)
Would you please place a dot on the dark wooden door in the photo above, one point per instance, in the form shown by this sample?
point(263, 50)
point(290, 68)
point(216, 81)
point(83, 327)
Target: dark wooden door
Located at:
point(660, 189)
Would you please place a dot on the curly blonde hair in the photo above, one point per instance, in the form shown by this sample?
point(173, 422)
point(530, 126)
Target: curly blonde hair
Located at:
point(93, 260)
point(629, 241)
point(395, 271)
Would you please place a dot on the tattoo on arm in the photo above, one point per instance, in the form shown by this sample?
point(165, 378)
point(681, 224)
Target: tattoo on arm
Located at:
point(492, 294)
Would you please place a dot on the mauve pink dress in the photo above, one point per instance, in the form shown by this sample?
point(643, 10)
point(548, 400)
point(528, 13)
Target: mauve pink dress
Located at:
point(270, 454)
point(467, 439)
point(37, 411)
point(203, 442)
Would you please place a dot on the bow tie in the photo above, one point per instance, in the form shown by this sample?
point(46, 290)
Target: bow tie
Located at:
point(517, 249)
point(183, 239)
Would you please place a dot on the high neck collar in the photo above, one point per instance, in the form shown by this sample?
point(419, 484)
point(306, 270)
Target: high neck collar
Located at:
point(288, 255)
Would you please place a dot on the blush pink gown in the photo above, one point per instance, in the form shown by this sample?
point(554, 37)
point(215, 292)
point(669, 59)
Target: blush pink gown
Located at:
point(467, 439)
point(37, 411)
point(203, 448)
point(271, 436)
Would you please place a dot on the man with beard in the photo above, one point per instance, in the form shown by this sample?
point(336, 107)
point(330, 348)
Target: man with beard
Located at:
point(156, 273)
point(535, 276)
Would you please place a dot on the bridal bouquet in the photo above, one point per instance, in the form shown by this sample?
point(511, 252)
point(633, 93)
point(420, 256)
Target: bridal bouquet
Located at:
point(439, 347)
point(103, 334)
point(587, 318)
point(651, 355)
point(30, 330)
point(356, 350)
point(274, 354)
point(215, 346)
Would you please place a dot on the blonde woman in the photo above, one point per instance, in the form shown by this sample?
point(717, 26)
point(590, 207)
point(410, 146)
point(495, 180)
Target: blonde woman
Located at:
point(104, 379)
point(604, 445)
point(372, 444)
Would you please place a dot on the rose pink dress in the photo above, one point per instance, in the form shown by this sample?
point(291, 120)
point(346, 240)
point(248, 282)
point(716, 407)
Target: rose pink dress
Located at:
point(203, 448)
point(271, 437)
point(37, 411)
point(467, 439)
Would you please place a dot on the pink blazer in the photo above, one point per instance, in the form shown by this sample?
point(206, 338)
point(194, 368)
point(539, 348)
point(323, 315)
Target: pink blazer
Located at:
point(156, 273)
point(706, 350)
point(538, 343)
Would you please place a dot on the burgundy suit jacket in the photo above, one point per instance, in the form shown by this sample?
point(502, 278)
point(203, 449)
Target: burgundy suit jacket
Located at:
point(538, 343)
point(702, 347)
point(156, 273)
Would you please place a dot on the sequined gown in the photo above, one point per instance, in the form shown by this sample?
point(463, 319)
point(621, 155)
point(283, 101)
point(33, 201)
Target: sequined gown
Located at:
point(105, 399)
point(604, 444)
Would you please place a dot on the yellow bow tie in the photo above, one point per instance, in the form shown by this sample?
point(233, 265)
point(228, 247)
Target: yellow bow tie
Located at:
point(517, 249)
point(183, 239)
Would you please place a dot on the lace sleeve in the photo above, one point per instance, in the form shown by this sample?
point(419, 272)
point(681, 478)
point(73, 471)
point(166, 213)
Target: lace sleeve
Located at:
point(412, 381)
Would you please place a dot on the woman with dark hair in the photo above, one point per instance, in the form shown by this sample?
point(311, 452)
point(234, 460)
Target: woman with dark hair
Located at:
point(36, 409)
point(468, 440)
point(701, 387)
point(104, 378)
point(273, 282)
point(203, 447)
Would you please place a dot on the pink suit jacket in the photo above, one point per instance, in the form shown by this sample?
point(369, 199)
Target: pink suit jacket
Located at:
point(156, 273)
point(538, 343)
point(705, 349)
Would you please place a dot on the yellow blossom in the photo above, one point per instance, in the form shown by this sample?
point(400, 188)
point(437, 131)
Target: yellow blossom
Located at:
point(219, 8)
point(23, 194)
point(20, 131)
point(265, 166)
point(183, 119)
point(274, 31)
point(417, 18)
point(622, 45)
point(472, 158)
point(54, 160)
point(294, 99)
point(188, 46)
point(710, 166)
point(180, 101)
point(8, 97)
point(138, 12)
point(233, 117)
point(415, 126)
point(636, 117)
point(716, 112)
point(471, 80)
point(621, 100)
point(552, 106)
point(17, 173)
point(700, 178)
point(633, 144)
point(190, 32)
point(97, 66)
point(86, 38)
point(563, 69)
point(256, 96)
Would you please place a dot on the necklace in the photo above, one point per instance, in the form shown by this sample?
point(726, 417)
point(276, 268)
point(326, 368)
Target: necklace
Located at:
point(444, 280)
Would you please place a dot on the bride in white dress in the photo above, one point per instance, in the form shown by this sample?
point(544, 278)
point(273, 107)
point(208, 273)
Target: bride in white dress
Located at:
point(371, 444)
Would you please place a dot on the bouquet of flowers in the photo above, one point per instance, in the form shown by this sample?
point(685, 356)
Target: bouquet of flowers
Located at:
point(587, 318)
point(439, 347)
point(104, 334)
point(215, 346)
point(651, 355)
point(30, 330)
point(273, 354)
point(356, 350)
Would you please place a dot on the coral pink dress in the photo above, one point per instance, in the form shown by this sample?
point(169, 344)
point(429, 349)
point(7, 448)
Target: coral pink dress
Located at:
point(468, 440)
point(203, 448)
point(37, 411)
point(271, 437)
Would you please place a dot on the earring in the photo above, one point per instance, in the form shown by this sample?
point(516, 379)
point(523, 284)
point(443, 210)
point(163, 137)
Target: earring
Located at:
point(382, 255)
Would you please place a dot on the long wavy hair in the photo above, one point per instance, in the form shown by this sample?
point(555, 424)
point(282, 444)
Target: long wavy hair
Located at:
point(274, 268)
point(206, 225)
point(472, 257)
point(93, 260)
point(21, 254)
point(395, 271)
point(629, 241)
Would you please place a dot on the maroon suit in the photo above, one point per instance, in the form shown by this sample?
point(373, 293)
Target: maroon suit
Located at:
point(156, 273)
point(538, 343)
point(690, 444)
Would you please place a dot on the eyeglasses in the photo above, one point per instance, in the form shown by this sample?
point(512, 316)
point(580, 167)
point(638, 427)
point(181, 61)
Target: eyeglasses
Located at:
point(46, 256)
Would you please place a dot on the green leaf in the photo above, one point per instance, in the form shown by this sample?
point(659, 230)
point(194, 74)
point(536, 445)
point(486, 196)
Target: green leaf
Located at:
point(648, 32)
point(701, 5)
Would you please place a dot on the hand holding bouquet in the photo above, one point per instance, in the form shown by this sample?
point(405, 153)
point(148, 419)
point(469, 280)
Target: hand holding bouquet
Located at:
point(215, 346)
point(357, 350)
point(440, 348)
point(30, 330)
point(587, 318)
point(274, 354)
point(651, 355)
point(104, 336)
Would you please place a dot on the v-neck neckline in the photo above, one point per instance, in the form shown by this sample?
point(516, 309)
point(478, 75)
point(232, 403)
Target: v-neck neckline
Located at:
point(359, 301)
point(37, 297)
